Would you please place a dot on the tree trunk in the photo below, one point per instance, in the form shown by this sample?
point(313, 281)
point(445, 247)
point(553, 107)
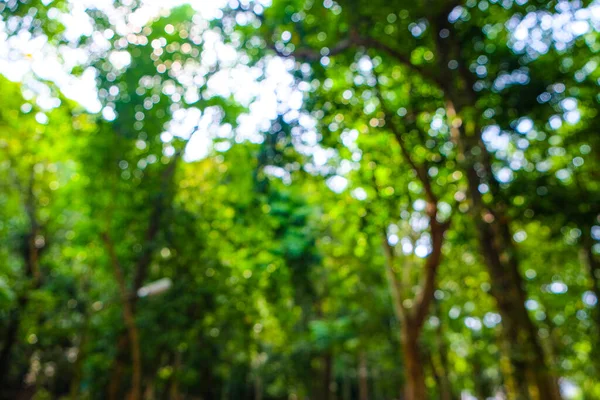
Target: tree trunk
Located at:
point(129, 318)
point(136, 356)
point(481, 390)
point(363, 377)
point(31, 257)
point(78, 367)
point(526, 353)
point(128, 345)
point(446, 392)
point(326, 378)
point(415, 375)
point(118, 366)
point(495, 239)
point(128, 299)
point(347, 389)
point(412, 321)
point(174, 393)
point(10, 339)
point(258, 387)
point(593, 266)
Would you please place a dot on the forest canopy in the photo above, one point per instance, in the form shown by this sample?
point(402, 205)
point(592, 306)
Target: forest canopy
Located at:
point(299, 199)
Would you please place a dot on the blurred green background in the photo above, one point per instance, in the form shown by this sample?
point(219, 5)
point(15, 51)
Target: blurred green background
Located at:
point(299, 199)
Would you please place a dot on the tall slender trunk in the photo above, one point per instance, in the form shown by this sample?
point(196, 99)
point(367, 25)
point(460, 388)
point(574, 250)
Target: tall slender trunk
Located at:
point(129, 298)
point(446, 392)
point(412, 320)
point(174, 393)
point(481, 390)
point(589, 259)
point(129, 319)
point(258, 387)
point(593, 266)
point(347, 388)
point(118, 367)
point(78, 367)
point(508, 288)
point(526, 353)
point(136, 355)
point(363, 376)
point(10, 339)
point(326, 376)
point(31, 257)
point(415, 388)
point(495, 239)
point(258, 378)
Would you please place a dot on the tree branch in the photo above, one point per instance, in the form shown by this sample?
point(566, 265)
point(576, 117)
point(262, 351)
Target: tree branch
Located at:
point(426, 295)
point(372, 43)
point(437, 229)
point(308, 54)
point(420, 170)
point(141, 267)
point(395, 286)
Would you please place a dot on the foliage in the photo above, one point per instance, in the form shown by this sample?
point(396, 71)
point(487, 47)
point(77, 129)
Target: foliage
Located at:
point(424, 223)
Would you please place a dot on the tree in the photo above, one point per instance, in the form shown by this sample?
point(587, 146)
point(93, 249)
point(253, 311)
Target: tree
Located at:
point(299, 200)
